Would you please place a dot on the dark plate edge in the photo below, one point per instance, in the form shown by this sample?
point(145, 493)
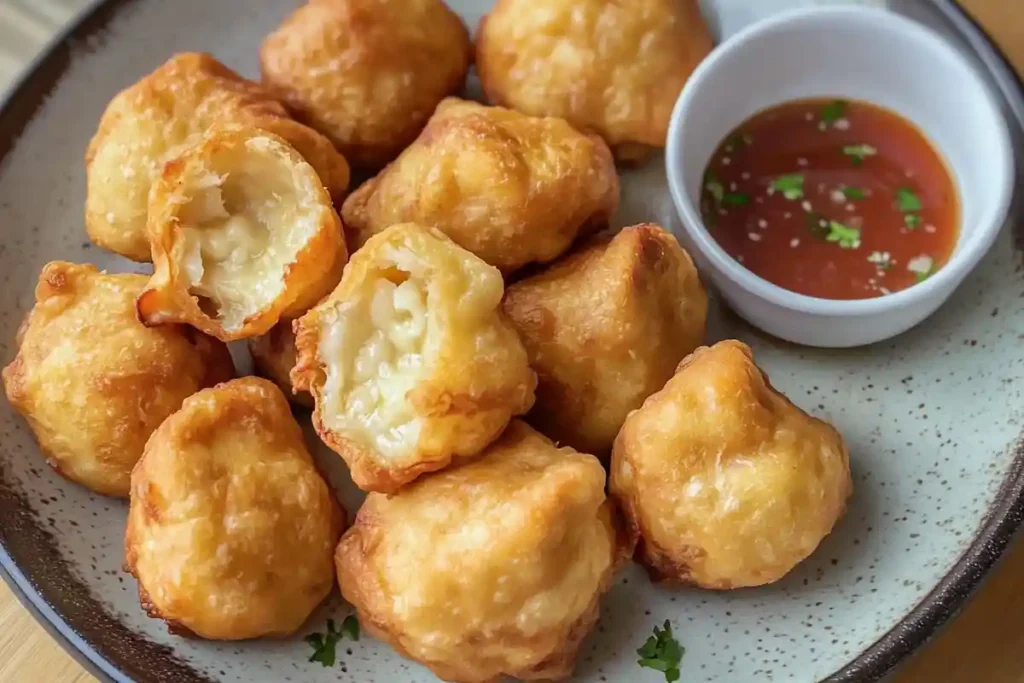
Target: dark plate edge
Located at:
point(1005, 518)
point(24, 97)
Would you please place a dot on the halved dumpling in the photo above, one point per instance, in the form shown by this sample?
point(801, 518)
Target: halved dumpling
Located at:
point(243, 234)
point(410, 361)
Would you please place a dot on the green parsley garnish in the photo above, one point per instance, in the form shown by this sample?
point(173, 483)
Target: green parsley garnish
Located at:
point(843, 235)
point(912, 220)
point(853, 193)
point(791, 186)
point(908, 201)
point(714, 187)
point(325, 644)
point(921, 277)
point(834, 111)
point(859, 152)
point(662, 652)
point(736, 199)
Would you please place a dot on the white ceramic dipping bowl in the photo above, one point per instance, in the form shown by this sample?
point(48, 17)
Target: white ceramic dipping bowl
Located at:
point(857, 54)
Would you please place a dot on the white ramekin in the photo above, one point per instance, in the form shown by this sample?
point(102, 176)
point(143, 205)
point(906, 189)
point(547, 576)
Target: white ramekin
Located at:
point(859, 54)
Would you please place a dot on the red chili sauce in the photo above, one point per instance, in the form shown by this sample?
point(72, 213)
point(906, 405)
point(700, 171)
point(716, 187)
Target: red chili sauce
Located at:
point(833, 199)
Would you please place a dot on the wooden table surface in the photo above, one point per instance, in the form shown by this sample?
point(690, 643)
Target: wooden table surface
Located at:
point(985, 644)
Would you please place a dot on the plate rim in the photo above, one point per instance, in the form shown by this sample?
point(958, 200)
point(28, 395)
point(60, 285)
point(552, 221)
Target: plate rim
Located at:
point(22, 99)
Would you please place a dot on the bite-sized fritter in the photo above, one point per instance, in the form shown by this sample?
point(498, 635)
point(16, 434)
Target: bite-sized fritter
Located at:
point(161, 116)
point(367, 73)
point(491, 569)
point(93, 383)
point(605, 328)
point(273, 355)
point(725, 483)
point(510, 188)
point(410, 360)
point(231, 528)
point(243, 234)
point(616, 68)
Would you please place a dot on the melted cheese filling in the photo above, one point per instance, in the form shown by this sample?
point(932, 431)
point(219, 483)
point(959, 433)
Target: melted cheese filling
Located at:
point(372, 350)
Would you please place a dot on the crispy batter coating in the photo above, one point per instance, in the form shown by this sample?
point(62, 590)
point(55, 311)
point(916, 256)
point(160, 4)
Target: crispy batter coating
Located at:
point(367, 73)
point(274, 356)
point(725, 483)
point(161, 116)
point(410, 360)
point(491, 569)
point(243, 234)
point(510, 188)
point(605, 328)
point(231, 528)
point(616, 68)
point(93, 382)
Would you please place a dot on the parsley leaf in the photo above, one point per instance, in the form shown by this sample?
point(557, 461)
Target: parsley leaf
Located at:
point(859, 152)
point(791, 186)
point(843, 235)
point(908, 200)
point(714, 187)
point(736, 199)
point(912, 220)
point(325, 650)
point(662, 652)
point(833, 111)
point(853, 193)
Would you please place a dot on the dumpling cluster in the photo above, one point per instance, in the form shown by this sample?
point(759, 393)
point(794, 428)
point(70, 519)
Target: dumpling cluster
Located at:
point(479, 417)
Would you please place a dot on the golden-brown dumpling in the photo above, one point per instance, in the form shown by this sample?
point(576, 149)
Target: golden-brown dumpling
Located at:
point(367, 73)
point(491, 569)
point(616, 68)
point(273, 355)
point(161, 116)
point(512, 189)
point(605, 328)
point(726, 483)
point(231, 528)
point(243, 234)
point(93, 382)
point(410, 360)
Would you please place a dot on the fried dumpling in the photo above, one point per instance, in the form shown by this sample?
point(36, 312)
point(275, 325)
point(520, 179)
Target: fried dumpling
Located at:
point(161, 116)
point(723, 481)
point(243, 234)
point(605, 327)
point(616, 68)
point(510, 188)
point(367, 74)
point(93, 382)
point(410, 360)
point(274, 355)
point(491, 569)
point(231, 528)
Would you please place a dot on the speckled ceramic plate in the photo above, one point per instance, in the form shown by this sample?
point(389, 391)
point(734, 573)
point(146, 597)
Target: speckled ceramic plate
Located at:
point(932, 419)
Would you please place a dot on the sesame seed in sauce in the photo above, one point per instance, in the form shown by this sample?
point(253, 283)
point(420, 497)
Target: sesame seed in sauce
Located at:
point(842, 124)
point(795, 242)
point(754, 237)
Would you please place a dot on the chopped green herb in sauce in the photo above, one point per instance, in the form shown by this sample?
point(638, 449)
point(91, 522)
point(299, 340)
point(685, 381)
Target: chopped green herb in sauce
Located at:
point(859, 153)
point(791, 186)
point(736, 199)
point(833, 111)
point(843, 235)
point(714, 187)
point(912, 220)
point(325, 644)
point(853, 193)
point(662, 652)
point(908, 200)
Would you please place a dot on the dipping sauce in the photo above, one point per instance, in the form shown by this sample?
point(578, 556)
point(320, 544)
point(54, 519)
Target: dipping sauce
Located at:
point(832, 198)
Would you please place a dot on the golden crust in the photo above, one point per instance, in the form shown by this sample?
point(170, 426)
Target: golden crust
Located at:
point(605, 328)
point(367, 73)
point(723, 481)
point(491, 569)
point(410, 361)
point(231, 528)
point(616, 68)
point(512, 189)
point(93, 383)
point(274, 355)
point(165, 113)
point(243, 234)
